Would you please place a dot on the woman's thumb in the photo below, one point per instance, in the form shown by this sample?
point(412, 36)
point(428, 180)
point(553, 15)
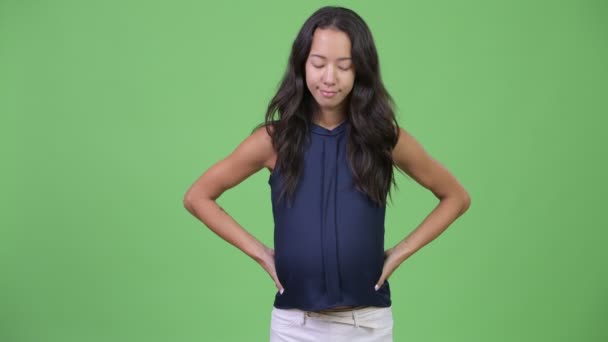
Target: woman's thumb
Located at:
point(279, 286)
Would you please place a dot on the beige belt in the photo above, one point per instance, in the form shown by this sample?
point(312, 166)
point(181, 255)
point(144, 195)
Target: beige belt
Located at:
point(352, 319)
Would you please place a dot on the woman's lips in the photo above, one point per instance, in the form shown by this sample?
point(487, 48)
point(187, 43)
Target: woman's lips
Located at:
point(328, 93)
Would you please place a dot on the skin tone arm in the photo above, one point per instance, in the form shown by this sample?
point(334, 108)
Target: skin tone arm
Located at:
point(251, 155)
point(454, 200)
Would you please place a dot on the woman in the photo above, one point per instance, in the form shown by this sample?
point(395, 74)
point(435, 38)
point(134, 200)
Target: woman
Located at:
point(331, 153)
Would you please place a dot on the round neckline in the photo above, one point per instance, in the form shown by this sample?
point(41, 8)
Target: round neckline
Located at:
point(325, 131)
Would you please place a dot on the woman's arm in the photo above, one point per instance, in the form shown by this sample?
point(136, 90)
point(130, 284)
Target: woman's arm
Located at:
point(454, 200)
point(251, 155)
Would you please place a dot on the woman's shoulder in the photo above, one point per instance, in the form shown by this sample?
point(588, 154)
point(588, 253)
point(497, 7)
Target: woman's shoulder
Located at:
point(261, 138)
point(262, 134)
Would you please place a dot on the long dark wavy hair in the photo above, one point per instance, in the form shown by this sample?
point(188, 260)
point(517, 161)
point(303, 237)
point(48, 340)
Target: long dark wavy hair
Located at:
point(373, 129)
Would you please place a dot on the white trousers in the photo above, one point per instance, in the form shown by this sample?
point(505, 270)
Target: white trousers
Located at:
point(370, 324)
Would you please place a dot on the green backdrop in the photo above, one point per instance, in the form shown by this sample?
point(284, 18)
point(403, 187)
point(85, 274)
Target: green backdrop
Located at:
point(111, 109)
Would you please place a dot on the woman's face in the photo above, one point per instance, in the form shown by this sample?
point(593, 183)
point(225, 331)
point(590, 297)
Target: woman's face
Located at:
point(330, 73)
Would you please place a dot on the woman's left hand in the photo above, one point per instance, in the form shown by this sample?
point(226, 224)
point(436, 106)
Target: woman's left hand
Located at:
point(390, 264)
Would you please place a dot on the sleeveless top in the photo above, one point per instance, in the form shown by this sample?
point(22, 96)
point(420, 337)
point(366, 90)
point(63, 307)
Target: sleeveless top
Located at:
point(329, 240)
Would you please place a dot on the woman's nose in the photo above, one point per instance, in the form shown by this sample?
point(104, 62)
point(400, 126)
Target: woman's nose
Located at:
point(329, 77)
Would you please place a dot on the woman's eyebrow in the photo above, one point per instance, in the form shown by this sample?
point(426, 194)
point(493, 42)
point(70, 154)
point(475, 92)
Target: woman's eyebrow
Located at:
point(340, 59)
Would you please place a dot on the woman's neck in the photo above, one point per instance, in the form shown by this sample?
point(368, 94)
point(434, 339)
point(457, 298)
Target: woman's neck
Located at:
point(328, 119)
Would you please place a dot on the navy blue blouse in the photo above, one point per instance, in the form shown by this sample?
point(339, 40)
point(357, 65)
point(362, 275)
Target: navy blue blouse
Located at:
point(329, 244)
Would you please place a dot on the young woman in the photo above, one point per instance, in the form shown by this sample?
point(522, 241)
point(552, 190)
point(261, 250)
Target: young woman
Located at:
point(331, 153)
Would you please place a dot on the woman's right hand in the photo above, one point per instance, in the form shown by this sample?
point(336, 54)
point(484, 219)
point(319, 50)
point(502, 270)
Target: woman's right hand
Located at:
point(267, 262)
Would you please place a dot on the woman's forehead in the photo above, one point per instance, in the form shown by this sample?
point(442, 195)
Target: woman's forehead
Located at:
point(328, 43)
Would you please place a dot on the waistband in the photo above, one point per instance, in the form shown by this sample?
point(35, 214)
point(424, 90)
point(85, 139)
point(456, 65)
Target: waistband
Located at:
point(345, 309)
point(357, 316)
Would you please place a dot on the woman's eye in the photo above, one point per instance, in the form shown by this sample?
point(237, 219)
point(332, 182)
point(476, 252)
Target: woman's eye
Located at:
point(341, 68)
